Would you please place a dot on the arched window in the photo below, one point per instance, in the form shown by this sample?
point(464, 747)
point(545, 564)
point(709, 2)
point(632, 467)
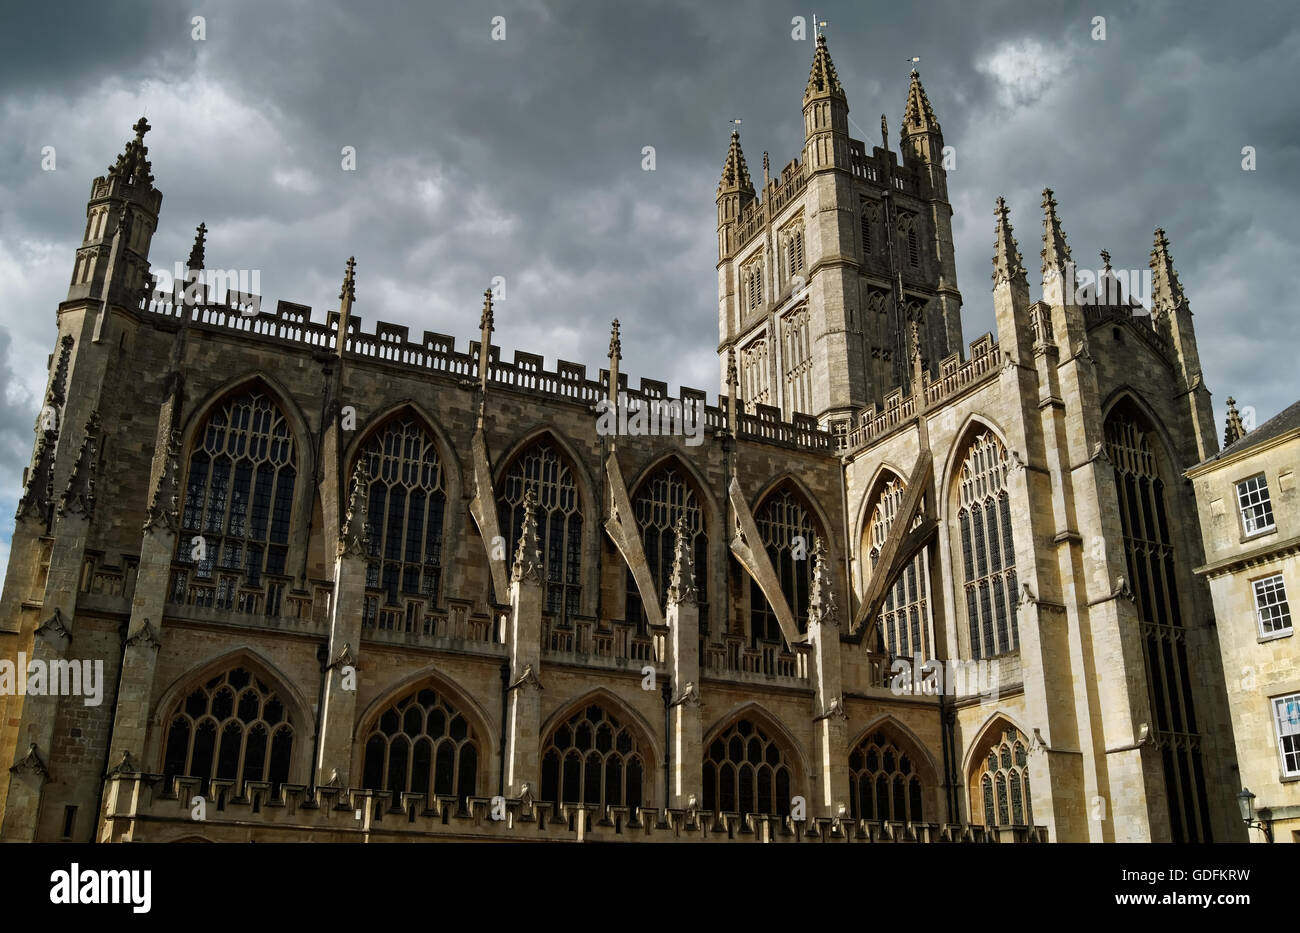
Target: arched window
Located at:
point(1149, 550)
point(238, 504)
point(746, 771)
point(593, 758)
point(883, 782)
point(559, 522)
point(407, 503)
point(659, 501)
point(232, 727)
point(1004, 782)
point(788, 529)
point(988, 554)
point(905, 625)
point(422, 745)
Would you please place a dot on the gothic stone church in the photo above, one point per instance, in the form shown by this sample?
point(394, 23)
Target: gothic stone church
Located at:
point(351, 585)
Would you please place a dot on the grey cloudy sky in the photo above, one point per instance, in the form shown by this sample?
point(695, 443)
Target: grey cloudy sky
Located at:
point(522, 158)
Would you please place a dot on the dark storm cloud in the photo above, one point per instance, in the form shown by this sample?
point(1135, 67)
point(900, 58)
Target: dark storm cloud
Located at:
point(522, 158)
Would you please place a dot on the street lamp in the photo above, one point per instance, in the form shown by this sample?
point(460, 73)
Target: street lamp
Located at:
point(1246, 802)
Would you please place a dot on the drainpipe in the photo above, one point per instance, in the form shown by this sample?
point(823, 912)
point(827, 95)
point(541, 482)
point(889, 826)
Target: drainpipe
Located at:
point(501, 752)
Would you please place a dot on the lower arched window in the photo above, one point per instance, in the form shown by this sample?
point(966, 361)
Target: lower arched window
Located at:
point(233, 727)
point(745, 771)
point(593, 758)
point(1004, 782)
point(788, 529)
point(883, 782)
point(422, 745)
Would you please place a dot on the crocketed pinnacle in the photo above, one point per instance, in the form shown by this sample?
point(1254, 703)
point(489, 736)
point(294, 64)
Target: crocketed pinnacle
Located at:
point(132, 166)
point(1007, 264)
point(735, 174)
point(1056, 252)
point(349, 290)
point(196, 252)
point(528, 556)
point(681, 584)
point(821, 599)
point(1233, 430)
point(1166, 290)
point(822, 79)
point(919, 115)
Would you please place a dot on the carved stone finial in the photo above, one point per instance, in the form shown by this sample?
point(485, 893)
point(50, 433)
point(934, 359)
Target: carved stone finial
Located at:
point(125, 765)
point(733, 376)
point(79, 494)
point(690, 696)
point(1105, 260)
point(349, 290)
point(31, 762)
point(145, 637)
point(527, 678)
point(1056, 252)
point(1007, 263)
point(681, 584)
point(163, 503)
point(821, 600)
point(53, 627)
point(1233, 430)
point(527, 567)
point(615, 345)
point(196, 253)
point(354, 539)
point(486, 321)
point(526, 798)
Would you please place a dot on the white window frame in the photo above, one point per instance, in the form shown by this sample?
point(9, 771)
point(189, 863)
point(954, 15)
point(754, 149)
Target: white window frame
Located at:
point(1274, 585)
point(1244, 490)
point(1291, 703)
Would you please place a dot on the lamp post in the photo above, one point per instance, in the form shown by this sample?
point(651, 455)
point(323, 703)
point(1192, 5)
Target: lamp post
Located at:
point(1246, 802)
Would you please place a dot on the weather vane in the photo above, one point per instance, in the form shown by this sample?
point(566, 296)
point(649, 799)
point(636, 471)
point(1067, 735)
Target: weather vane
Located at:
point(913, 60)
point(818, 24)
point(735, 123)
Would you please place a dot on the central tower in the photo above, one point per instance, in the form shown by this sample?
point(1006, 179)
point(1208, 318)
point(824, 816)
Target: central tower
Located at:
point(821, 274)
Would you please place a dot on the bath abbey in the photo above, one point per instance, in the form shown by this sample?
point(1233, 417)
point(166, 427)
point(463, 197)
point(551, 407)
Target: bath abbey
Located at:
point(298, 577)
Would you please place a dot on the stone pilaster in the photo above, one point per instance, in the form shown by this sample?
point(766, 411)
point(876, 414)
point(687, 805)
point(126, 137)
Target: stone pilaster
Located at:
point(338, 714)
point(683, 619)
point(831, 722)
point(524, 711)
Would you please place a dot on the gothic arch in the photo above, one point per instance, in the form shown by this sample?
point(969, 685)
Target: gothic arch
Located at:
point(202, 409)
point(899, 730)
point(884, 471)
point(1012, 790)
point(451, 697)
point(466, 705)
point(586, 482)
point(1127, 396)
point(672, 458)
point(773, 486)
point(742, 758)
point(301, 711)
point(445, 449)
point(970, 430)
point(632, 721)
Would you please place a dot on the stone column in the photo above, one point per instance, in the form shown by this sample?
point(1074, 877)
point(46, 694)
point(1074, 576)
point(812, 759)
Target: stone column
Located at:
point(525, 641)
point(683, 619)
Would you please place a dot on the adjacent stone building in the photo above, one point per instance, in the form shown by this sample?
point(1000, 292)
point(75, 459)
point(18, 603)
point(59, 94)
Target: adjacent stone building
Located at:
point(351, 583)
point(1250, 523)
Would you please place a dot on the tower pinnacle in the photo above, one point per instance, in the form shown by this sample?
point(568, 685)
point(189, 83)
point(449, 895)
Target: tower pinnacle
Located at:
point(919, 116)
point(822, 79)
point(196, 253)
point(1007, 264)
point(735, 173)
point(1056, 252)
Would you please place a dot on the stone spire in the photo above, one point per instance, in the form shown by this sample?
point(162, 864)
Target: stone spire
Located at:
point(1233, 430)
point(1056, 252)
point(735, 174)
point(822, 79)
point(486, 325)
point(919, 116)
point(528, 556)
point(681, 585)
point(196, 253)
point(79, 494)
point(354, 537)
point(615, 354)
point(132, 165)
point(821, 599)
point(733, 384)
point(1166, 291)
point(1007, 264)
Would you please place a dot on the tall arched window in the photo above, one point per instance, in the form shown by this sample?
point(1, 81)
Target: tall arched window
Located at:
point(422, 744)
point(231, 727)
point(883, 782)
point(746, 771)
point(238, 504)
point(788, 529)
point(1149, 550)
point(406, 507)
point(1004, 782)
point(559, 522)
point(905, 625)
point(593, 758)
point(659, 501)
point(988, 554)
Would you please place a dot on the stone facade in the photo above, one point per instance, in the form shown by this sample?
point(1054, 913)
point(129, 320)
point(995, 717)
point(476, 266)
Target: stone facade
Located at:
point(1250, 522)
point(358, 585)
